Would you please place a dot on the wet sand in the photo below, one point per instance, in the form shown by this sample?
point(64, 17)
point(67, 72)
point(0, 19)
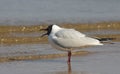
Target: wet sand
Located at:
point(23, 51)
point(31, 34)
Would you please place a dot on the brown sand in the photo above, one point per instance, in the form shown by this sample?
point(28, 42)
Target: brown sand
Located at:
point(7, 38)
point(38, 57)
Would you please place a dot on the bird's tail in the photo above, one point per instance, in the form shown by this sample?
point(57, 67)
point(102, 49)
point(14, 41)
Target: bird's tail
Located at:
point(105, 39)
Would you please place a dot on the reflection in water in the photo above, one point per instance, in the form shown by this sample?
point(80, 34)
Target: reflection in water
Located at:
point(69, 68)
point(70, 71)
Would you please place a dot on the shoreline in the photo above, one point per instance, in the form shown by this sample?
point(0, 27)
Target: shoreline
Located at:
point(31, 34)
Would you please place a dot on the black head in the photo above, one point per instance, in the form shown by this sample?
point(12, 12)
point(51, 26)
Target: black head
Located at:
point(48, 29)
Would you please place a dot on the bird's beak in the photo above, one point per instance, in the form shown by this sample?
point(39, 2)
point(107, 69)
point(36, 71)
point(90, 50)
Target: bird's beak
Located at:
point(43, 34)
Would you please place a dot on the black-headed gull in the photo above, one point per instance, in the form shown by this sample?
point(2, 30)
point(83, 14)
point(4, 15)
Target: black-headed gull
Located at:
point(68, 39)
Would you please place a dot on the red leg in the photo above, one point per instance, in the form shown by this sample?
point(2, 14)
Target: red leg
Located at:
point(69, 57)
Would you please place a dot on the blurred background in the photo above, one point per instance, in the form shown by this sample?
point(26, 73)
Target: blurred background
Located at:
point(27, 12)
point(23, 51)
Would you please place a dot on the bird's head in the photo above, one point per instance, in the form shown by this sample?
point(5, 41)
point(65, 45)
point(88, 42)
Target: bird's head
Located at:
point(48, 29)
point(51, 28)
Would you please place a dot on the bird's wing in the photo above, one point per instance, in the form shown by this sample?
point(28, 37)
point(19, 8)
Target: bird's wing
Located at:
point(69, 33)
point(75, 42)
point(70, 38)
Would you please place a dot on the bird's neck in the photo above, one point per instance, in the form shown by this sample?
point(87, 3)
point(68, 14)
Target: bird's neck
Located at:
point(55, 29)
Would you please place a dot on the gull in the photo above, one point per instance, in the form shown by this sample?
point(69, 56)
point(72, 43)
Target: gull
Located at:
point(68, 39)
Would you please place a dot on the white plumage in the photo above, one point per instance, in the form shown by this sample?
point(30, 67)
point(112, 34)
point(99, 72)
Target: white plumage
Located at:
point(65, 39)
point(68, 39)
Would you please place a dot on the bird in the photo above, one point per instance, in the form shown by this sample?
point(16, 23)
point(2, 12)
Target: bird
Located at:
point(68, 39)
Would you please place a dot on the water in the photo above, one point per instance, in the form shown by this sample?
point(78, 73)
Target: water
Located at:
point(19, 12)
point(105, 60)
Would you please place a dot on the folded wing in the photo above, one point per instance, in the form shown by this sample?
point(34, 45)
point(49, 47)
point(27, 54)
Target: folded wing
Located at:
point(72, 39)
point(69, 33)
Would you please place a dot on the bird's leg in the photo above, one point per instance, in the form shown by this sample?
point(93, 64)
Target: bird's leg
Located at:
point(69, 57)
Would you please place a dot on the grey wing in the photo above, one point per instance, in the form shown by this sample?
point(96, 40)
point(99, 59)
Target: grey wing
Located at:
point(71, 38)
point(65, 43)
point(75, 42)
point(69, 33)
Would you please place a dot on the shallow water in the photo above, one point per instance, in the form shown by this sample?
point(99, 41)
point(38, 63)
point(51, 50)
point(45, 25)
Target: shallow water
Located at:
point(35, 58)
point(104, 60)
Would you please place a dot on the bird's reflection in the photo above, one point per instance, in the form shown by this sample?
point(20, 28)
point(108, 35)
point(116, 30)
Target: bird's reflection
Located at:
point(69, 68)
point(69, 71)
